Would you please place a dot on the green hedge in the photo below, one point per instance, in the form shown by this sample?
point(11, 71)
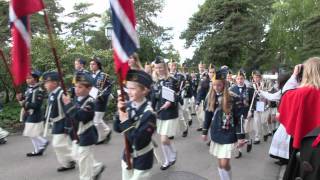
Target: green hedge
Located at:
point(9, 117)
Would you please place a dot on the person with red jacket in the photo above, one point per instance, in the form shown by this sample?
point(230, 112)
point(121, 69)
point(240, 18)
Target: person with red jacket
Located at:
point(300, 115)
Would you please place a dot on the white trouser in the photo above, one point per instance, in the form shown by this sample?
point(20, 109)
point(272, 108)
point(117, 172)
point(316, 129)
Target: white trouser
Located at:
point(88, 166)
point(62, 146)
point(260, 124)
point(134, 174)
point(187, 108)
point(38, 143)
point(3, 133)
point(102, 128)
point(182, 120)
point(193, 105)
point(200, 115)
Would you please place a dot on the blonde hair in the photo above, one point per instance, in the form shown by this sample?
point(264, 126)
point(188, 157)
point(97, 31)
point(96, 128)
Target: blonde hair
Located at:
point(311, 73)
point(137, 64)
point(156, 76)
point(226, 100)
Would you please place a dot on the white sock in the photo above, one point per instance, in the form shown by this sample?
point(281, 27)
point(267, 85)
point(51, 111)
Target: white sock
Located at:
point(166, 154)
point(35, 145)
point(226, 174)
point(220, 173)
point(171, 152)
point(41, 142)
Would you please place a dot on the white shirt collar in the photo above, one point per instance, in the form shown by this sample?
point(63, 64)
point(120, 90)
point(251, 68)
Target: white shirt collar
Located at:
point(137, 105)
point(56, 90)
point(80, 98)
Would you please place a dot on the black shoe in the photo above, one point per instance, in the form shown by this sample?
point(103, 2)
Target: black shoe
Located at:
point(72, 165)
point(45, 147)
point(3, 140)
point(265, 137)
point(185, 133)
point(96, 177)
point(190, 123)
point(32, 154)
point(172, 163)
point(280, 163)
point(239, 155)
point(256, 142)
point(208, 143)
point(249, 146)
point(171, 137)
point(199, 129)
point(163, 167)
point(106, 140)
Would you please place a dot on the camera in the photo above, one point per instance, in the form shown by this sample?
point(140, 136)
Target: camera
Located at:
point(299, 77)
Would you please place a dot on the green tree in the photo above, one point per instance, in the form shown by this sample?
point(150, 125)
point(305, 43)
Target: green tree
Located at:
point(293, 28)
point(229, 32)
point(4, 23)
point(83, 21)
point(53, 9)
point(148, 50)
point(146, 13)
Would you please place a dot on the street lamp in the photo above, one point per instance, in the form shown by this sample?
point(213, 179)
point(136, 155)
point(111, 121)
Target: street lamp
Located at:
point(108, 31)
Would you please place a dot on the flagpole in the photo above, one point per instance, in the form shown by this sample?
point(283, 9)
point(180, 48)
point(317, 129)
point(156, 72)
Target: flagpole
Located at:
point(126, 141)
point(8, 69)
point(58, 64)
point(54, 51)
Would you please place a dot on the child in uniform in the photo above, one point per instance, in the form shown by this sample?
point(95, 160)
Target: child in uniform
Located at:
point(31, 104)
point(82, 112)
point(138, 124)
point(220, 120)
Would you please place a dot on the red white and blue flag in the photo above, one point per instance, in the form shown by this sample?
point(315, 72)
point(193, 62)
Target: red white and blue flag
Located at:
point(124, 37)
point(20, 31)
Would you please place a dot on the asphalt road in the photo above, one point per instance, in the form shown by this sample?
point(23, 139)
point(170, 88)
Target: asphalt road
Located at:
point(194, 161)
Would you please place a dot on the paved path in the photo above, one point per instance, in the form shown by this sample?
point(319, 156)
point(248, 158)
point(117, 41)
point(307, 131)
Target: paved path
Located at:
point(193, 157)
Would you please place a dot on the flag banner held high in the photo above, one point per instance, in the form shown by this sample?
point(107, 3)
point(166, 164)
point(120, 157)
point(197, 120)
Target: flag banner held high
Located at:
point(124, 37)
point(20, 31)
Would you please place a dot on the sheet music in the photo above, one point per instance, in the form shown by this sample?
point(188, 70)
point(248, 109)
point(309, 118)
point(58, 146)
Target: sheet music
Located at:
point(94, 92)
point(260, 106)
point(167, 94)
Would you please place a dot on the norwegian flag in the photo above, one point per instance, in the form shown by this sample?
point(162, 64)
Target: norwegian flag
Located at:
point(124, 37)
point(20, 31)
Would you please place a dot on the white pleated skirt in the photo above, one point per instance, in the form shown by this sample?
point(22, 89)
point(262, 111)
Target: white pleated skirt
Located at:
point(273, 111)
point(221, 151)
point(33, 129)
point(168, 127)
point(280, 143)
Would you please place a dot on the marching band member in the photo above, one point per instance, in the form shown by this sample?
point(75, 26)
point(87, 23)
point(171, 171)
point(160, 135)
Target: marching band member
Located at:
point(148, 68)
point(183, 121)
point(61, 141)
point(188, 102)
point(221, 121)
point(82, 111)
point(138, 124)
point(134, 62)
point(279, 148)
point(3, 136)
point(230, 78)
point(240, 94)
point(194, 88)
point(79, 64)
point(104, 85)
point(203, 88)
point(260, 125)
point(168, 111)
point(32, 116)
